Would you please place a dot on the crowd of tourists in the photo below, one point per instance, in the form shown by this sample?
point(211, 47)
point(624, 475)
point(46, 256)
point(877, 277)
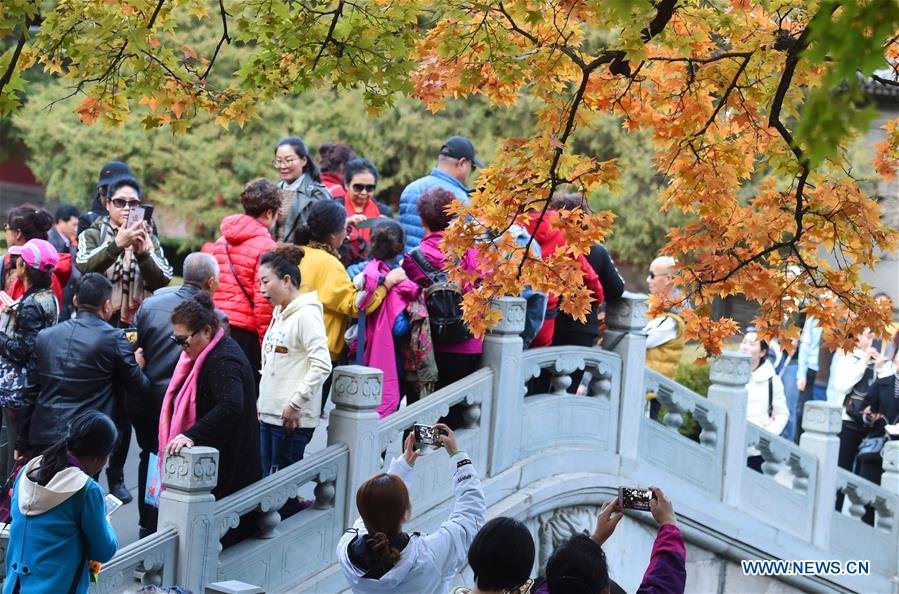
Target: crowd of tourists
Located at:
point(314, 273)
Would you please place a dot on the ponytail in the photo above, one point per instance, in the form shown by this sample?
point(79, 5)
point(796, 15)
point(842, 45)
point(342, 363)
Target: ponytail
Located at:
point(386, 553)
point(55, 459)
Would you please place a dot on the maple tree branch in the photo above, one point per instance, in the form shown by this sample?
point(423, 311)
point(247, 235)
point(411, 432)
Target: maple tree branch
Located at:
point(724, 97)
point(885, 81)
point(330, 36)
point(225, 37)
point(14, 60)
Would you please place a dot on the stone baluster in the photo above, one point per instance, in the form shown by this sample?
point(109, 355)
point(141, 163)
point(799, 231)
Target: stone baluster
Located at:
point(625, 318)
point(188, 505)
point(356, 391)
point(821, 424)
point(502, 353)
point(729, 375)
point(889, 481)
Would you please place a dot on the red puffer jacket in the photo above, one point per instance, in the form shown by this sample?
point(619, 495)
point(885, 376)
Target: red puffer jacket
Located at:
point(247, 240)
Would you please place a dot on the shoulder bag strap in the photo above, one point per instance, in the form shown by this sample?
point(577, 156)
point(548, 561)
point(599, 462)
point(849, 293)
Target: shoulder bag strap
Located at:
point(771, 397)
point(430, 271)
point(237, 278)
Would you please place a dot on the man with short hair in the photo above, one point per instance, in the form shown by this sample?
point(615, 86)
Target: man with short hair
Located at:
point(455, 163)
point(62, 236)
point(665, 334)
point(78, 365)
point(154, 330)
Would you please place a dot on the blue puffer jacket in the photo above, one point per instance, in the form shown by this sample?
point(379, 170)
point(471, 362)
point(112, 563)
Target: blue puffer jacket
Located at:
point(409, 202)
point(54, 528)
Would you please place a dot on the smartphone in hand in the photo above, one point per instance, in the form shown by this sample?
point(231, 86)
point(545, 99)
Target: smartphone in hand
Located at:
point(112, 503)
point(637, 499)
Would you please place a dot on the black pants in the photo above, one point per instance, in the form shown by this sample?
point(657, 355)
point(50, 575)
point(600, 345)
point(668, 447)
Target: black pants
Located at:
point(755, 463)
point(851, 436)
point(804, 397)
point(451, 367)
point(146, 429)
point(871, 470)
point(115, 472)
point(249, 344)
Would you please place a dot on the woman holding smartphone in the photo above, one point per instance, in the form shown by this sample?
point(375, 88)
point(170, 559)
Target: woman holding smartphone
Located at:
point(376, 555)
point(59, 518)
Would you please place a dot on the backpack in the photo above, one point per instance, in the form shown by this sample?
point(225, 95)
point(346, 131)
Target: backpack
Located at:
point(443, 299)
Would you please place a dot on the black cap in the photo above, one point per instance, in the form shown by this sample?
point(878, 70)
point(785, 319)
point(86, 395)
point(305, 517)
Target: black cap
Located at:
point(459, 147)
point(112, 170)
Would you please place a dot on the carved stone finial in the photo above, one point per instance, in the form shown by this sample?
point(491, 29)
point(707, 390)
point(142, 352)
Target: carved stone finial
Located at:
point(514, 313)
point(357, 387)
point(192, 470)
point(822, 417)
point(627, 313)
point(731, 369)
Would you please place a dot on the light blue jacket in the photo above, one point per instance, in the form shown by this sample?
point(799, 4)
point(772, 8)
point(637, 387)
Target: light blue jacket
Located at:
point(409, 218)
point(51, 526)
point(809, 345)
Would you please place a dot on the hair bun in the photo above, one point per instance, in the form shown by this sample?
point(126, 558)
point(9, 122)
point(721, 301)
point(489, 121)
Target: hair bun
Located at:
point(204, 299)
point(292, 253)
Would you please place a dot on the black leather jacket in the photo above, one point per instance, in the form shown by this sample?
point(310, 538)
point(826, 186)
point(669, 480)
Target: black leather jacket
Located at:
point(79, 365)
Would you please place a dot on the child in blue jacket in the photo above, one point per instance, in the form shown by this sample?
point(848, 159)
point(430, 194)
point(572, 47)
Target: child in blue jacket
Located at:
point(58, 511)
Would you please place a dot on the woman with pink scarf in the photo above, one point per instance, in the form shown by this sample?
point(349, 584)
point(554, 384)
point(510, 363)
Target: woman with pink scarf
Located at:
point(211, 400)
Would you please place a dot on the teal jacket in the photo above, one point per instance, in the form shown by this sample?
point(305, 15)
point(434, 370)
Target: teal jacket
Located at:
point(50, 530)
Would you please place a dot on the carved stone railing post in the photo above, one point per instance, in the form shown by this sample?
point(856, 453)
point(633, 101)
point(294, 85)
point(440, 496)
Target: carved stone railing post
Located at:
point(356, 391)
point(821, 423)
point(188, 505)
point(729, 374)
point(502, 353)
point(625, 318)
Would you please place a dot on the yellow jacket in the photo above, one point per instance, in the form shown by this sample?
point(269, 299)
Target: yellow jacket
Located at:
point(323, 273)
point(665, 357)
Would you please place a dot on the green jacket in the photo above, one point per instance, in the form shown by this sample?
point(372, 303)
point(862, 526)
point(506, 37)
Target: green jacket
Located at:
point(94, 255)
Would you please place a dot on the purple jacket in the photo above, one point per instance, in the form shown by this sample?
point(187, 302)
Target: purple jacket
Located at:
point(667, 573)
point(379, 331)
point(430, 247)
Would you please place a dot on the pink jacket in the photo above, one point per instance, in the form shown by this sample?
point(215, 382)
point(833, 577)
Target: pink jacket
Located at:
point(430, 247)
point(379, 331)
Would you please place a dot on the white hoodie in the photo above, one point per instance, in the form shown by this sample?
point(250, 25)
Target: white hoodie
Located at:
point(295, 362)
point(429, 562)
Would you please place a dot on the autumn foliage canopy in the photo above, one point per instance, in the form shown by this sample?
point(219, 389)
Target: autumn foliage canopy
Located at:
point(752, 107)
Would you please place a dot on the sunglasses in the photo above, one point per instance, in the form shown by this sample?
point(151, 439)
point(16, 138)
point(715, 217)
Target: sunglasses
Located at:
point(359, 188)
point(121, 203)
point(654, 275)
point(182, 341)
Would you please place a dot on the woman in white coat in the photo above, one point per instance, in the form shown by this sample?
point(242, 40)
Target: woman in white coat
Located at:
point(295, 361)
point(766, 405)
point(378, 557)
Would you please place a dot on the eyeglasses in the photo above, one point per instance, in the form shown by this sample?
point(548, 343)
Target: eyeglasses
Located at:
point(182, 341)
point(359, 188)
point(121, 203)
point(652, 274)
point(278, 163)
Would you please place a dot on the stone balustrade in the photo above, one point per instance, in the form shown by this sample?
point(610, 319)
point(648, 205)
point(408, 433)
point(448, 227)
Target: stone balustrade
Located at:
point(546, 455)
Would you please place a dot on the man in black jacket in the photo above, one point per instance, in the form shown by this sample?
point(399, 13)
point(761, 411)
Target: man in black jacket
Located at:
point(78, 365)
point(154, 330)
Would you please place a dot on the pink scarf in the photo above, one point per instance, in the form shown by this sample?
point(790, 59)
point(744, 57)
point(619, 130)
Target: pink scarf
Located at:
point(177, 418)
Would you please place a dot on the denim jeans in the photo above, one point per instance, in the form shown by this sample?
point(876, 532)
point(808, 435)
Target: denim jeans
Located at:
point(792, 394)
point(279, 450)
